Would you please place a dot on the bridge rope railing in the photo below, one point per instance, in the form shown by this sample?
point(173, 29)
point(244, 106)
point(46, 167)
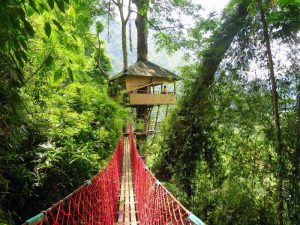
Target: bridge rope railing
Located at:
point(95, 202)
point(155, 204)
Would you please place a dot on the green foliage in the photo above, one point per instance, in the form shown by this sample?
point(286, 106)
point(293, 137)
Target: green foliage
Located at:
point(218, 144)
point(286, 19)
point(238, 189)
point(76, 133)
point(232, 203)
point(58, 126)
point(99, 27)
point(47, 28)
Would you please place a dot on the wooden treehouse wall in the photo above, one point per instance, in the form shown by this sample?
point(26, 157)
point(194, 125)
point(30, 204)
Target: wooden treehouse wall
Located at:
point(137, 82)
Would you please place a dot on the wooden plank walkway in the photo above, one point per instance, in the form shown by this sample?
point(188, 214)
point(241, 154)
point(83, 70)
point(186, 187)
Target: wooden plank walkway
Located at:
point(127, 212)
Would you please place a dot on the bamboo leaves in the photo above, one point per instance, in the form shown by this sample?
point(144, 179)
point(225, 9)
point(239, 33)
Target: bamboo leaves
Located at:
point(57, 74)
point(61, 5)
point(57, 24)
point(33, 5)
point(28, 28)
point(48, 61)
point(70, 73)
point(51, 3)
point(47, 28)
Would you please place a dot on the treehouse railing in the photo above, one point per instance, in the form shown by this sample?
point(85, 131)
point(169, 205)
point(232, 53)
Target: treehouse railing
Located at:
point(157, 98)
point(153, 92)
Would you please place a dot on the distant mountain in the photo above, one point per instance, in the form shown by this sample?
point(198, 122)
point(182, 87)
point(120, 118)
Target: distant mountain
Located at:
point(114, 50)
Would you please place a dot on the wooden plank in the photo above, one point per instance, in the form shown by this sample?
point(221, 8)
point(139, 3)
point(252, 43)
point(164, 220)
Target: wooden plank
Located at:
point(134, 83)
point(127, 211)
point(152, 99)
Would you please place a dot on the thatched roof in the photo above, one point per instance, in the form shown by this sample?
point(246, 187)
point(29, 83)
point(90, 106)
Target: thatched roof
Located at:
point(147, 69)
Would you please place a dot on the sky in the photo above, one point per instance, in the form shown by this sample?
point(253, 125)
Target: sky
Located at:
point(208, 5)
point(212, 5)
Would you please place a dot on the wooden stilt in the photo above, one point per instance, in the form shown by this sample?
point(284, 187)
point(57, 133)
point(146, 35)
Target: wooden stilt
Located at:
point(156, 119)
point(155, 125)
point(149, 118)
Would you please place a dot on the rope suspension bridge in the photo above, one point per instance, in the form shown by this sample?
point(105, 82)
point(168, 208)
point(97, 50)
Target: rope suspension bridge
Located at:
point(124, 192)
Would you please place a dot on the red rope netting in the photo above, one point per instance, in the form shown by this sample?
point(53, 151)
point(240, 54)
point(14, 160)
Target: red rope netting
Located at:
point(155, 204)
point(95, 202)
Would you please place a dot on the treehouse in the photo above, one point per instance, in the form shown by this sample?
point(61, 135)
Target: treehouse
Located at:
point(147, 84)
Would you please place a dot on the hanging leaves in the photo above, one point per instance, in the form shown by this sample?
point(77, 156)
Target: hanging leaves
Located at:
point(33, 6)
point(57, 24)
point(47, 28)
point(19, 58)
point(61, 5)
point(23, 55)
point(23, 44)
point(57, 74)
point(99, 27)
point(28, 28)
point(49, 61)
point(51, 3)
point(70, 73)
point(43, 7)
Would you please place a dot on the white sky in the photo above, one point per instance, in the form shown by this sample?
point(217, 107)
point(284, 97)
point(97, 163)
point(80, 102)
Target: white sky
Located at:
point(212, 5)
point(208, 6)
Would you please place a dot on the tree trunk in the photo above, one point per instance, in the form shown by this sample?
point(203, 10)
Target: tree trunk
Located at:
point(124, 20)
point(142, 55)
point(187, 134)
point(142, 30)
point(141, 115)
point(124, 46)
point(296, 165)
point(276, 115)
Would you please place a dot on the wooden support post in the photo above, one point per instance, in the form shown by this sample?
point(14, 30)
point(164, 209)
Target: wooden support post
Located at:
point(133, 117)
point(174, 88)
point(156, 119)
point(155, 125)
point(149, 117)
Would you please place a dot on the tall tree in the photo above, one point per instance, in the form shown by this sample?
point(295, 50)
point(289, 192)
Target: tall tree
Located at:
point(142, 29)
point(238, 133)
point(124, 20)
point(141, 23)
point(188, 137)
point(276, 114)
